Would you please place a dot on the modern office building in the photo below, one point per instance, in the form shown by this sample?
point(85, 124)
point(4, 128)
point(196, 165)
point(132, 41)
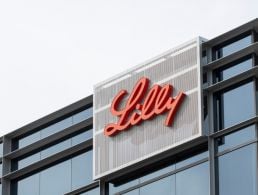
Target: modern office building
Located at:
point(182, 123)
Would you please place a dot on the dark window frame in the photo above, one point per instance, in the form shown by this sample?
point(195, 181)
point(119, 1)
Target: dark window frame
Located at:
point(228, 42)
point(218, 103)
point(216, 74)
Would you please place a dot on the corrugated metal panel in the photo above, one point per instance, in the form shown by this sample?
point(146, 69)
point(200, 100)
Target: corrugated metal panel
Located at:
point(181, 68)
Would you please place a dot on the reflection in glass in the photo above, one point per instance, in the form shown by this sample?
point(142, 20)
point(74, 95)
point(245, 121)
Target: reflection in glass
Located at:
point(29, 185)
point(232, 47)
point(51, 150)
point(192, 159)
point(54, 128)
point(236, 138)
point(237, 172)
point(82, 170)
point(29, 139)
point(228, 72)
point(163, 186)
point(236, 105)
point(194, 180)
point(56, 180)
point(27, 161)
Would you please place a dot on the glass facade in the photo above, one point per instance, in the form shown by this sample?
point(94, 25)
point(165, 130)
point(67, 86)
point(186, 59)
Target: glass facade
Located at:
point(233, 69)
point(51, 150)
point(237, 171)
point(58, 179)
point(192, 172)
point(234, 105)
point(54, 128)
point(232, 47)
point(224, 163)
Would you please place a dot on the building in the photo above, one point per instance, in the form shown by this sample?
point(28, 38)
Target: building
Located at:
point(189, 127)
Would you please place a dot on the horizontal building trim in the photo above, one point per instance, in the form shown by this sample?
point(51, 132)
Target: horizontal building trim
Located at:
point(50, 139)
point(236, 127)
point(253, 48)
point(252, 25)
point(238, 78)
point(51, 118)
point(48, 161)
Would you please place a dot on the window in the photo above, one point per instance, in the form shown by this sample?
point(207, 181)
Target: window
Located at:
point(194, 180)
point(188, 176)
point(51, 150)
point(233, 69)
point(232, 47)
point(58, 179)
point(236, 138)
point(237, 172)
point(52, 129)
point(234, 106)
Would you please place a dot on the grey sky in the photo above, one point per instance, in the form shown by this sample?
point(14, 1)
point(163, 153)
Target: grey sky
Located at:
point(52, 52)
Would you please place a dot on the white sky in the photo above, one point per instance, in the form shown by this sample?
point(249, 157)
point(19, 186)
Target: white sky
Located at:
point(52, 52)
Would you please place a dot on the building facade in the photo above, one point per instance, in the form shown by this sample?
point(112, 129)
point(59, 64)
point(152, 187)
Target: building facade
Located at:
point(182, 123)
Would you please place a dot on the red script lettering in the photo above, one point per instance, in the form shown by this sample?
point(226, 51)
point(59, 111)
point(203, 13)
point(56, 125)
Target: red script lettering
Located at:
point(157, 101)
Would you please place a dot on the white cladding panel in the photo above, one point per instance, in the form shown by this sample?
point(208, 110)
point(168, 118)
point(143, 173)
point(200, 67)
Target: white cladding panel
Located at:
point(179, 67)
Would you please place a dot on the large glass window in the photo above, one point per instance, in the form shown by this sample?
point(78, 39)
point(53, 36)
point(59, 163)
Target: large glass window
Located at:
point(51, 150)
point(52, 129)
point(234, 106)
point(233, 69)
point(236, 138)
point(194, 180)
point(185, 177)
point(58, 179)
point(237, 172)
point(227, 49)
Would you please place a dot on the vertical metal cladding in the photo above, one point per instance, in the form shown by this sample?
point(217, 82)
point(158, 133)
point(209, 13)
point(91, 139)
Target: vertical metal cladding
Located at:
point(179, 67)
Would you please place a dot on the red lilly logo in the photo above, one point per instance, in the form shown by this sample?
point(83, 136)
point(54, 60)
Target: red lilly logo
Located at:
point(139, 108)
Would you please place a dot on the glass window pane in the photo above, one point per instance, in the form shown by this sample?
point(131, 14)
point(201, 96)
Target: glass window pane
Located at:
point(236, 105)
point(82, 137)
point(192, 159)
point(116, 188)
point(56, 127)
point(163, 186)
point(56, 180)
point(234, 70)
point(28, 160)
point(157, 173)
point(194, 180)
point(237, 172)
point(29, 185)
point(55, 148)
point(81, 116)
point(236, 138)
point(29, 139)
point(82, 170)
point(233, 47)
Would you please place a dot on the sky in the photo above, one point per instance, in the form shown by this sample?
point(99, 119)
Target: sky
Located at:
point(53, 52)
